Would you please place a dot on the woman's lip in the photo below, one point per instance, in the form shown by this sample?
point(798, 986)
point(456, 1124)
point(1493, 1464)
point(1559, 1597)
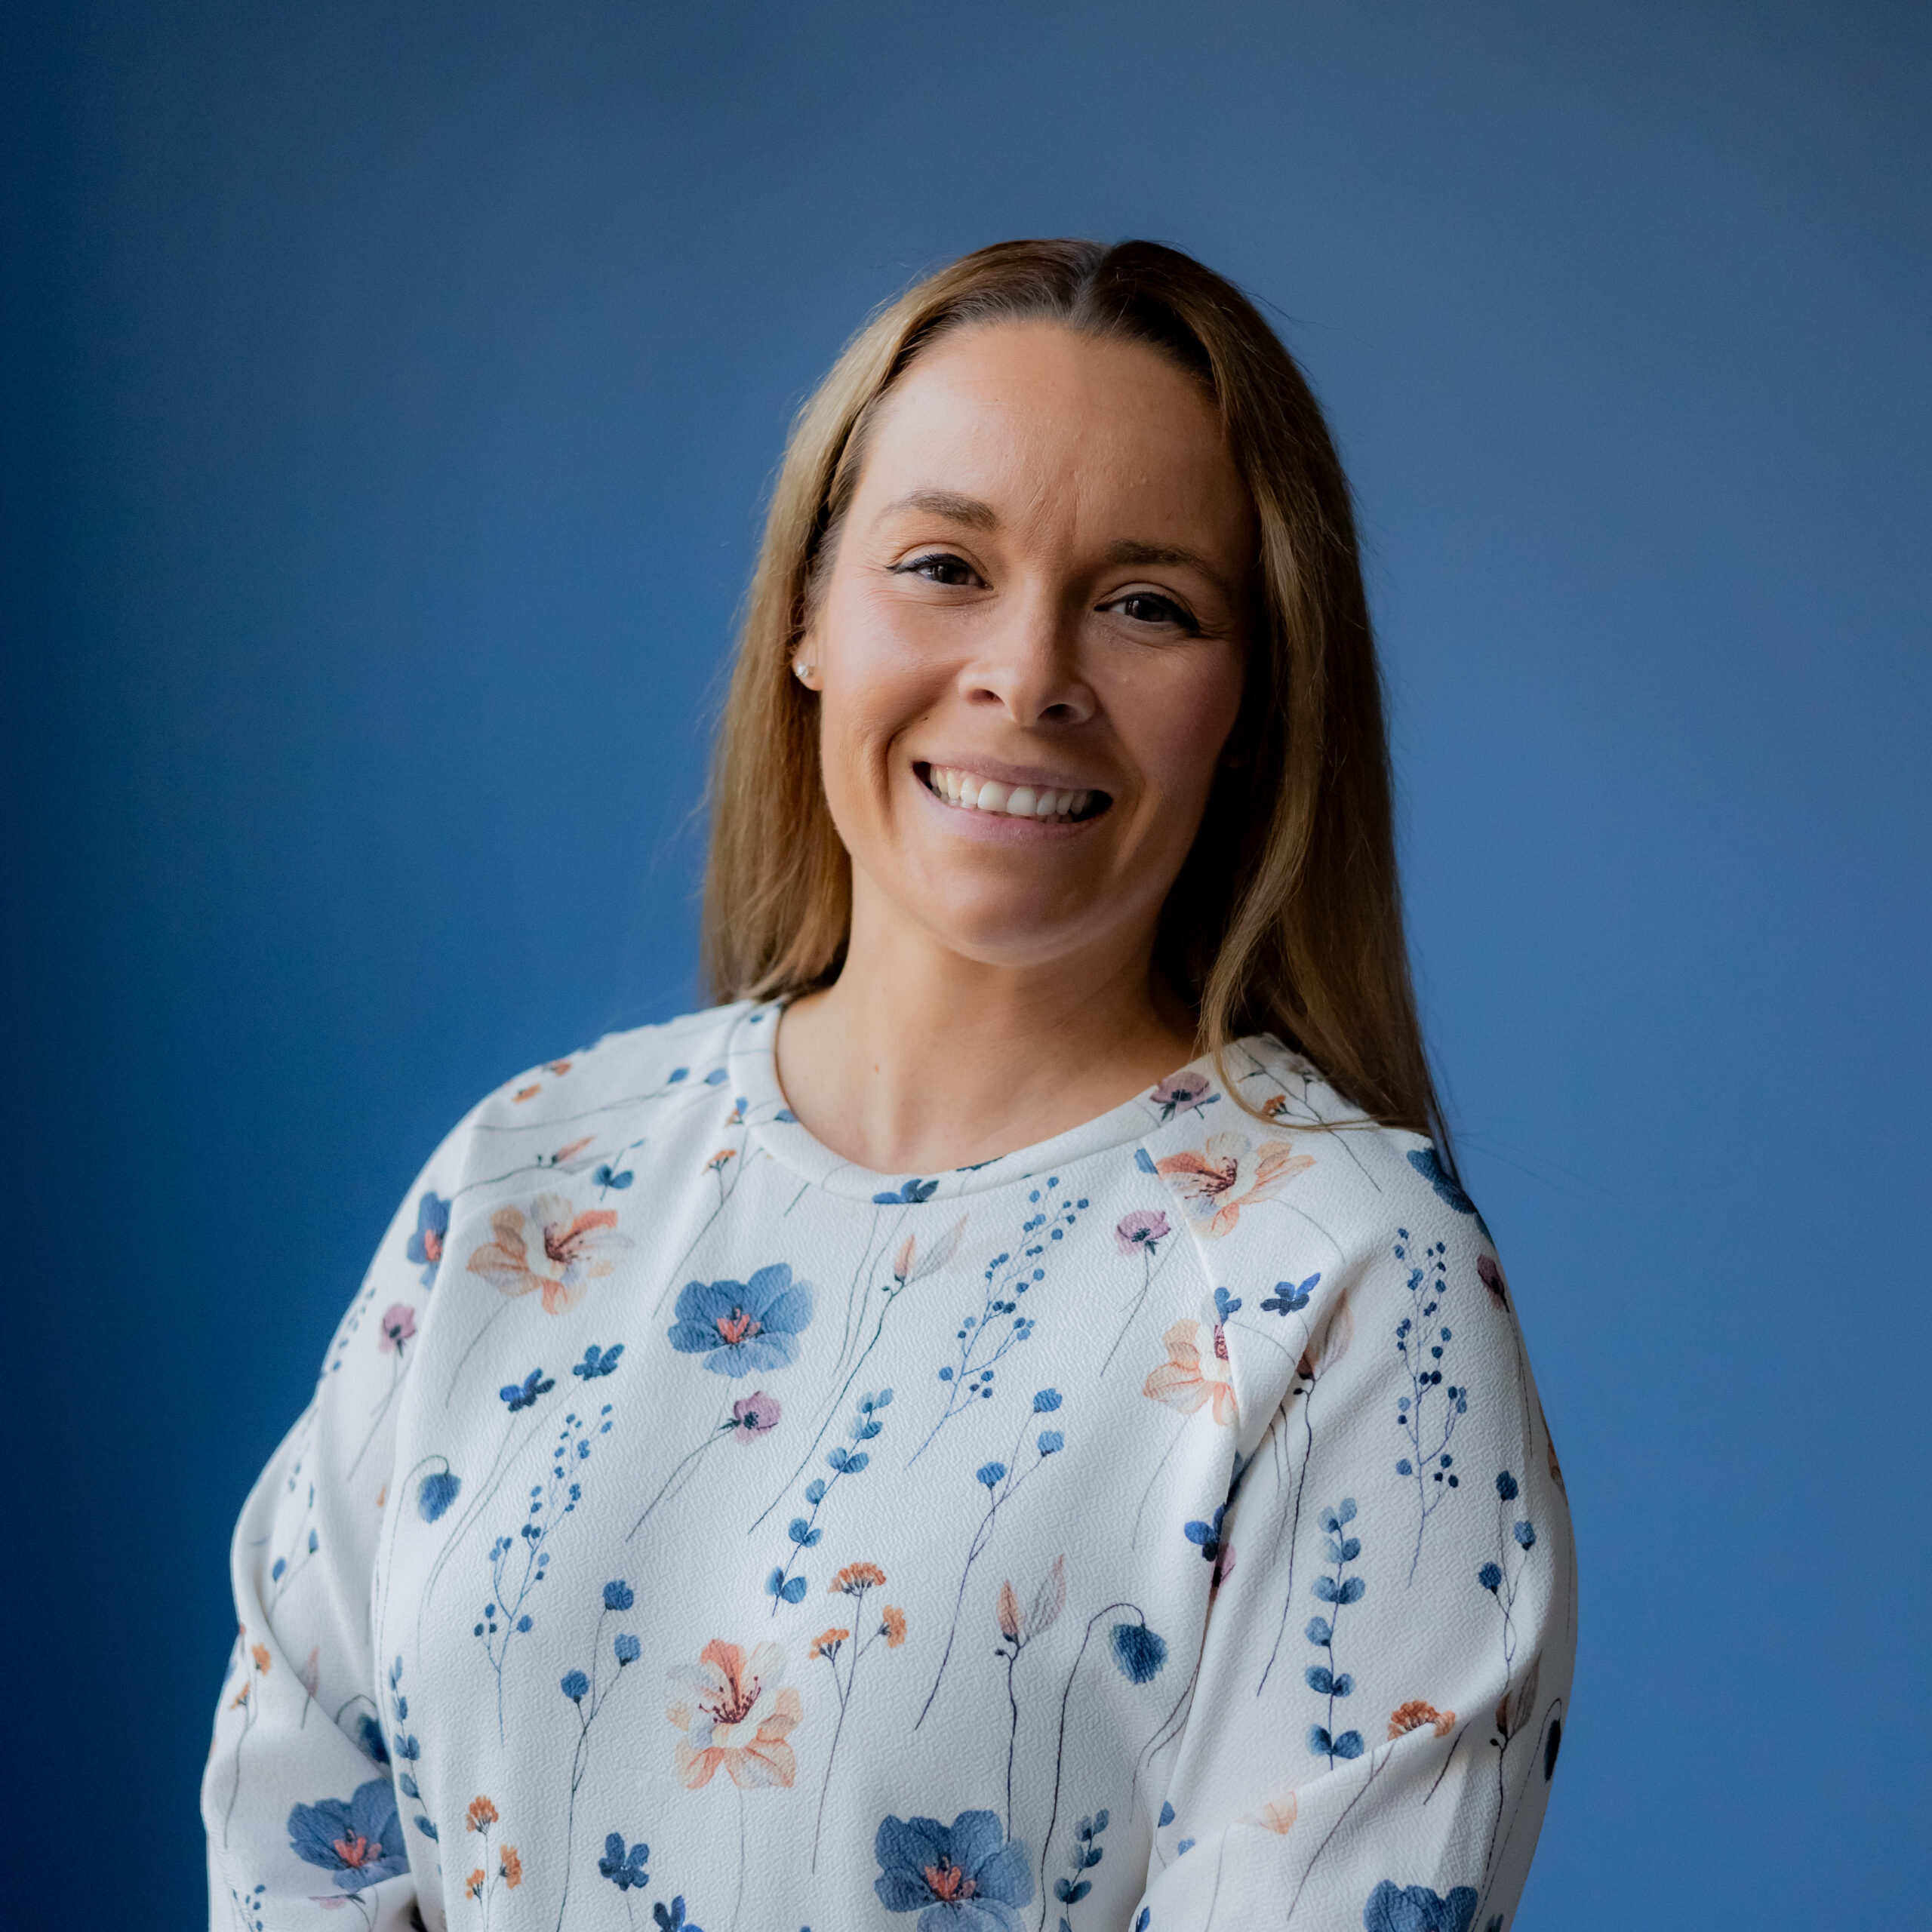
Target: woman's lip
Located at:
point(1037, 776)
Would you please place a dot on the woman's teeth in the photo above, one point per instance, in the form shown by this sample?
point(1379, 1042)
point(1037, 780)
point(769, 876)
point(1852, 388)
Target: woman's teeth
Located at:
point(966, 789)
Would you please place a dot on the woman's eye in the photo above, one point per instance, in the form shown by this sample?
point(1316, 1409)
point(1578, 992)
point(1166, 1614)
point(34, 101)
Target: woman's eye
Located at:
point(939, 566)
point(1145, 607)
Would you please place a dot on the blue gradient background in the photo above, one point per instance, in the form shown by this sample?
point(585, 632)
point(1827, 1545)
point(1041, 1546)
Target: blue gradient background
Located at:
point(389, 392)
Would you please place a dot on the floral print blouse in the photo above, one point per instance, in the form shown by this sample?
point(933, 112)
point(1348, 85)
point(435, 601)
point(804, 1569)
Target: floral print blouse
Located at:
point(1155, 1528)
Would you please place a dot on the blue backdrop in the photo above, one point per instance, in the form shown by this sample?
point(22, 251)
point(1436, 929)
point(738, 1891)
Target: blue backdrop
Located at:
point(389, 393)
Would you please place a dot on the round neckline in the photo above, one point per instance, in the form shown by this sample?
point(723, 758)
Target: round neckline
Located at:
point(751, 1053)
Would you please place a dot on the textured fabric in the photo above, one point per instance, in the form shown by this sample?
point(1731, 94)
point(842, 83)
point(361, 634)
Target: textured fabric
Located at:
point(1155, 1527)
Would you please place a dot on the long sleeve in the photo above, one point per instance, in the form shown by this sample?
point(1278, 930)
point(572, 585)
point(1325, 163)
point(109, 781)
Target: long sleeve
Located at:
point(308, 1798)
point(1386, 1664)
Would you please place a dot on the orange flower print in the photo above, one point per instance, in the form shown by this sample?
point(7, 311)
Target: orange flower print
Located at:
point(826, 1642)
point(1413, 1715)
point(1194, 1376)
point(473, 1886)
point(1279, 1817)
point(259, 1652)
point(553, 1249)
point(1214, 1185)
point(527, 1093)
point(733, 1711)
point(509, 1867)
point(892, 1621)
point(481, 1815)
point(855, 1578)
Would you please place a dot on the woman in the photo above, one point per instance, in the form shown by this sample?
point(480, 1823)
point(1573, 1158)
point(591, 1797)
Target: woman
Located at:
point(1011, 1419)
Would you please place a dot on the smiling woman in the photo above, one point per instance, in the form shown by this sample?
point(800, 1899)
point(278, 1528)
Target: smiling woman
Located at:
point(1064, 1127)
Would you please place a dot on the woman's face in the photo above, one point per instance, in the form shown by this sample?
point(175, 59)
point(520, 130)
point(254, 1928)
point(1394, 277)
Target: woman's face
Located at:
point(1030, 647)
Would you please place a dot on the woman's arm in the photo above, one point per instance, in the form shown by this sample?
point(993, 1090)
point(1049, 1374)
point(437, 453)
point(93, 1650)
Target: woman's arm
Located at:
point(1385, 1673)
point(308, 1798)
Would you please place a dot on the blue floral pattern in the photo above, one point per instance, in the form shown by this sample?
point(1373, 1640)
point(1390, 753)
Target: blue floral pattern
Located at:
point(1052, 1397)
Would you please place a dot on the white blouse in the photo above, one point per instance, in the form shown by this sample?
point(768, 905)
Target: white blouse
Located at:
point(1155, 1528)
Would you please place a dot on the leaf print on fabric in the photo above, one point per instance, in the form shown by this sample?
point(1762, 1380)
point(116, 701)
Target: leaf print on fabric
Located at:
point(733, 1712)
point(847, 1459)
point(966, 1876)
point(743, 1327)
point(1393, 1907)
point(1422, 1342)
point(1007, 1277)
point(1229, 1174)
point(358, 1840)
point(1338, 1591)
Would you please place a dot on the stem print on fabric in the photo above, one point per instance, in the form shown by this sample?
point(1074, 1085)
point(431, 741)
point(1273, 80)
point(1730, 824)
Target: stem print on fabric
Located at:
point(851, 1643)
point(985, 1338)
point(357, 1841)
point(966, 1876)
point(1192, 1378)
point(1086, 1853)
point(1317, 1359)
point(1214, 1184)
point(1515, 1710)
point(1000, 1480)
point(406, 1749)
point(518, 1563)
point(397, 1329)
point(910, 1263)
point(750, 1419)
point(1421, 1341)
point(502, 1871)
point(1017, 1628)
point(247, 1701)
point(847, 1459)
point(1140, 1654)
point(1140, 1233)
point(590, 1691)
point(550, 1249)
point(1338, 1591)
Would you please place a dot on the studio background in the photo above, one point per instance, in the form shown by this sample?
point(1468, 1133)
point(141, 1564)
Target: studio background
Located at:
point(390, 396)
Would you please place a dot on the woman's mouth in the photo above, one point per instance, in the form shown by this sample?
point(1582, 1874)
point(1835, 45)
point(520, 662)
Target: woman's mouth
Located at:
point(971, 792)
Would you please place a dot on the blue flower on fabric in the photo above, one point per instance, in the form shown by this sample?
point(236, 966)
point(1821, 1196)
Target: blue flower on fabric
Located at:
point(608, 1176)
point(1290, 1297)
point(619, 1595)
point(1427, 1163)
point(1138, 1651)
point(426, 1244)
point(743, 1327)
point(357, 1841)
point(1208, 1535)
point(438, 1491)
point(624, 1869)
point(523, 1394)
point(599, 1361)
point(964, 1877)
point(575, 1686)
point(1392, 1908)
point(671, 1918)
point(369, 1736)
point(908, 1194)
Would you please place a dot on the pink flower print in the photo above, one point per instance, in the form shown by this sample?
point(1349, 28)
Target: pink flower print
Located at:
point(753, 1416)
point(552, 1248)
point(1181, 1093)
point(733, 1711)
point(1230, 1174)
point(1141, 1229)
point(1193, 1377)
point(398, 1326)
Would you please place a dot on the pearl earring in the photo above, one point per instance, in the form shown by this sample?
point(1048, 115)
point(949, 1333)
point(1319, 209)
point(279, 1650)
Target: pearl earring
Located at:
point(803, 671)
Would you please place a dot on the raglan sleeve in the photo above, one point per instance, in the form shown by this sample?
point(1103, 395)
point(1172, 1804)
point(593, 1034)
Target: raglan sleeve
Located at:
point(1385, 1670)
point(307, 1798)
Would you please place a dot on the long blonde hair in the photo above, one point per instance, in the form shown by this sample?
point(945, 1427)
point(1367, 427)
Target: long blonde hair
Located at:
point(1286, 916)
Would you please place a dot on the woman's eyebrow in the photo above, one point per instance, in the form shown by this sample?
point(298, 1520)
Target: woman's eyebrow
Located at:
point(1128, 551)
point(956, 508)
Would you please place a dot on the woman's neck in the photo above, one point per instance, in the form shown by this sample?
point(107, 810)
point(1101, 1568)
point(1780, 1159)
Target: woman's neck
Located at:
point(918, 1060)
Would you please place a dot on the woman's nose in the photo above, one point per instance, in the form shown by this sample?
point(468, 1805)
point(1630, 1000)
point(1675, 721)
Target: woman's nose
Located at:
point(1028, 664)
